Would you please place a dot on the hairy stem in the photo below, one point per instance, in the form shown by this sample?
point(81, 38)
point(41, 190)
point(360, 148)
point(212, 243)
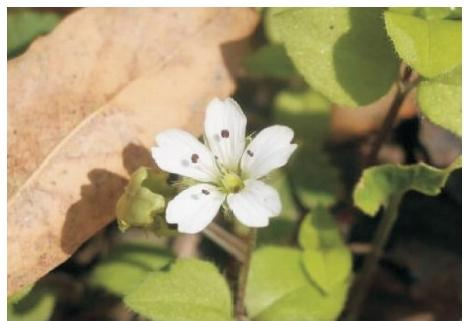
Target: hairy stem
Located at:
point(361, 288)
point(240, 309)
point(227, 241)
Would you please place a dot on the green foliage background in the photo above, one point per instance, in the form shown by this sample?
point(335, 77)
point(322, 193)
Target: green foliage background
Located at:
point(345, 56)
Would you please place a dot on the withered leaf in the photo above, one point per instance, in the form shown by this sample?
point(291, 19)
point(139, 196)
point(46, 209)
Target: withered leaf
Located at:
point(104, 80)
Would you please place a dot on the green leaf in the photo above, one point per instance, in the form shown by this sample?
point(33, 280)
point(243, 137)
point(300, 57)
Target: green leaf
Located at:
point(319, 230)
point(328, 267)
point(18, 295)
point(440, 100)
point(271, 61)
point(279, 289)
point(430, 13)
point(436, 13)
point(190, 290)
point(431, 47)
point(325, 257)
point(143, 200)
point(379, 183)
point(307, 304)
point(274, 273)
point(271, 29)
point(127, 265)
point(25, 25)
point(344, 53)
point(36, 305)
point(307, 112)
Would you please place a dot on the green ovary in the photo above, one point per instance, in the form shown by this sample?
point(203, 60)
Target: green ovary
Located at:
point(232, 183)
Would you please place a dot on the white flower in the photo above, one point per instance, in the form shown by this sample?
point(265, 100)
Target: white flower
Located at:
point(227, 170)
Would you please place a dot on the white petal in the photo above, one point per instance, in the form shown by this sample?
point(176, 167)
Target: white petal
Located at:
point(194, 208)
point(270, 149)
point(225, 126)
point(181, 153)
point(255, 203)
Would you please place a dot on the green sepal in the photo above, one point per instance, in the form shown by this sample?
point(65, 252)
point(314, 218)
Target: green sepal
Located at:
point(143, 201)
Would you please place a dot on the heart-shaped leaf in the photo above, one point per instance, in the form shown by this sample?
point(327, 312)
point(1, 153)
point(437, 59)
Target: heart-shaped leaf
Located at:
point(190, 290)
point(279, 289)
point(326, 257)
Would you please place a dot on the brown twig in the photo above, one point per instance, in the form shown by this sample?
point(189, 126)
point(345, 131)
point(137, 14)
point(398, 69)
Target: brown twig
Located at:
point(240, 309)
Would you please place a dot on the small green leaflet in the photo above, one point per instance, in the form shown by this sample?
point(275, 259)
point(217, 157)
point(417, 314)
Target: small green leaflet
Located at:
point(379, 183)
point(325, 256)
point(274, 272)
point(279, 289)
point(307, 304)
point(440, 100)
point(431, 47)
point(190, 290)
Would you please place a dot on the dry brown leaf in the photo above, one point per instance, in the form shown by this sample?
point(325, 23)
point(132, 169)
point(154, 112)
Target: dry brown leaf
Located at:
point(81, 98)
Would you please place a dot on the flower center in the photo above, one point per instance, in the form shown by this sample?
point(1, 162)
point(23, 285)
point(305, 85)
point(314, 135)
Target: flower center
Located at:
point(232, 183)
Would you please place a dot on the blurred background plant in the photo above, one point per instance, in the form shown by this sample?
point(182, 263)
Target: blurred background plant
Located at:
point(370, 93)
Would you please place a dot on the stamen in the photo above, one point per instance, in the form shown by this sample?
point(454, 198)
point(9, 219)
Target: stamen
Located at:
point(195, 158)
point(204, 191)
point(250, 153)
point(224, 133)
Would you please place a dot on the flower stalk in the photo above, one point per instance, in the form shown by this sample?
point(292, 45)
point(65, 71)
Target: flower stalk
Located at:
point(227, 241)
point(240, 309)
